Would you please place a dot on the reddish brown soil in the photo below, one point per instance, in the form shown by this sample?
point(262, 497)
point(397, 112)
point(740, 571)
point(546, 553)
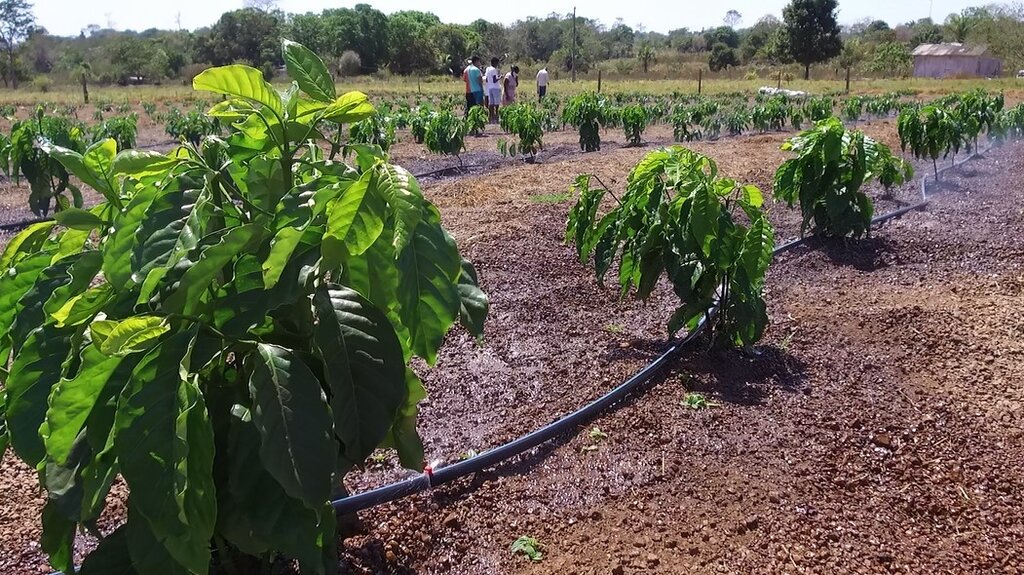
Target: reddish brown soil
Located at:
point(876, 429)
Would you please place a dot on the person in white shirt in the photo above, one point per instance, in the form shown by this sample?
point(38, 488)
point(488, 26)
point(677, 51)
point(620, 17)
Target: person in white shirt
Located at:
point(542, 83)
point(492, 84)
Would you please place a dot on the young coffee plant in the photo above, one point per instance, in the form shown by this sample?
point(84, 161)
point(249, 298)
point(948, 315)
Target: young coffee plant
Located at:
point(191, 127)
point(229, 332)
point(525, 121)
point(377, 130)
point(418, 123)
point(445, 134)
point(586, 112)
point(930, 132)
point(634, 122)
point(476, 120)
point(22, 156)
point(677, 217)
point(122, 129)
point(826, 177)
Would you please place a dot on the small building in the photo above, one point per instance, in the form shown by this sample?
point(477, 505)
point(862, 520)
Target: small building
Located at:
point(955, 60)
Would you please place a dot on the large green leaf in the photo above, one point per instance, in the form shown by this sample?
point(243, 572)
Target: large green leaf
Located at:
point(290, 411)
point(403, 436)
point(240, 81)
point(309, 71)
point(405, 202)
point(186, 299)
point(149, 555)
point(143, 165)
point(355, 221)
point(72, 401)
point(31, 313)
point(164, 442)
point(92, 167)
point(428, 270)
point(78, 218)
point(349, 108)
point(117, 249)
point(111, 556)
point(364, 366)
point(281, 249)
point(83, 307)
point(26, 243)
point(33, 374)
point(474, 302)
point(13, 287)
point(58, 539)
point(255, 506)
point(129, 335)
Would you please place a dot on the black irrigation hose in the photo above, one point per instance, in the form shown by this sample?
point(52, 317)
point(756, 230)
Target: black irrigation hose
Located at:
point(431, 478)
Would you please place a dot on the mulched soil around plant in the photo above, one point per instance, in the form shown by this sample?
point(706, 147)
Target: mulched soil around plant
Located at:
point(876, 429)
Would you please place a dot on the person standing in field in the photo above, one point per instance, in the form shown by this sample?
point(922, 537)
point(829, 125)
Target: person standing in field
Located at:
point(492, 81)
point(473, 78)
point(511, 83)
point(542, 83)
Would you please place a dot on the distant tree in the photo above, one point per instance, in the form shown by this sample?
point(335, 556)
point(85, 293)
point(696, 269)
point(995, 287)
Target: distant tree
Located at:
point(958, 26)
point(261, 5)
point(851, 56)
point(455, 43)
point(722, 57)
point(409, 39)
point(78, 67)
point(724, 35)
point(646, 55)
point(733, 18)
point(362, 29)
point(682, 40)
point(925, 32)
point(812, 32)
point(891, 59)
point(16, 23)
point(309, 30)
point(246, 35)
point(758, 38)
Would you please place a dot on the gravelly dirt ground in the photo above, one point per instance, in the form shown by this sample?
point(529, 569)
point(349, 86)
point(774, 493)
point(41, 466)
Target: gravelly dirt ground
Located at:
point(877, 429)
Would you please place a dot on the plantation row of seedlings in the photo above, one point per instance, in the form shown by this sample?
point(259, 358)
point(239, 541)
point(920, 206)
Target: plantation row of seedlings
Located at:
point(231, 328)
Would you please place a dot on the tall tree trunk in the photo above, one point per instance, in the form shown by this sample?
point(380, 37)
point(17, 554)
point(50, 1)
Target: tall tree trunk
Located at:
point(807, 71)
point(10, 67)
point(85, 90)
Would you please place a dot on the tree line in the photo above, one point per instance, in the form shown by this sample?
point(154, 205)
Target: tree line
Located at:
point(365, 40)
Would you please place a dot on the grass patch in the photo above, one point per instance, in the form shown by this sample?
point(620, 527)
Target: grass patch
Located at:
point(551, 198)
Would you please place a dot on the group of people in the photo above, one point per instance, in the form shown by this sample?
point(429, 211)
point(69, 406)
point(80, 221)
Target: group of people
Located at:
point(492, 89)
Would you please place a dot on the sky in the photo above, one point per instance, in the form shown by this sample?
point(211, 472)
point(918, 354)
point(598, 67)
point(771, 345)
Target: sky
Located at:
point(68, 17)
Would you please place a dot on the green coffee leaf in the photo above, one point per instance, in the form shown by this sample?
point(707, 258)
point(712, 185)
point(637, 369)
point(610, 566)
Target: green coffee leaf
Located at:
point(363, 363)
point(290, 411)
point(428, 269)
point(130, 335)
point(78, 219)
point(309, 71)
point(34, 372)
point(240, 81)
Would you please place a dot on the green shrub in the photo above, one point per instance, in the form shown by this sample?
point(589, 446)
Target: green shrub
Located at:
point(229, 331)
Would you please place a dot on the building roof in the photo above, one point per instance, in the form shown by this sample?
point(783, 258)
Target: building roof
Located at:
point(950, 50)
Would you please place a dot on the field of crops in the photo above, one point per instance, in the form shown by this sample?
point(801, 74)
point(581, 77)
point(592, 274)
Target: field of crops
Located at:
point(283, 299)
